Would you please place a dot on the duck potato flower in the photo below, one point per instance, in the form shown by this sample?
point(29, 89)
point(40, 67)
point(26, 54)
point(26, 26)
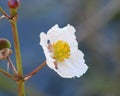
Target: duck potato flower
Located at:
point(62, 53)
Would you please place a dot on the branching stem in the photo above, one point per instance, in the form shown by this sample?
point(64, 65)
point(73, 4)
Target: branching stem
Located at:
point(35, 71)
point(20, 82)
point(4, 13)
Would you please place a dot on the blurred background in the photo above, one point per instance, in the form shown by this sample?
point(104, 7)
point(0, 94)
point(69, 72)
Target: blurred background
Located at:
point(97, 24)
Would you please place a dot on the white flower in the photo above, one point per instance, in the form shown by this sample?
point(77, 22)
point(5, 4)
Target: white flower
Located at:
point(62, 53)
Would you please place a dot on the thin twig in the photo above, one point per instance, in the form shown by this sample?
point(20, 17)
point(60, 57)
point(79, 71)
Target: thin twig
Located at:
point(7, 74)
point(35, 71)
point(4, 13)
point(12, 66)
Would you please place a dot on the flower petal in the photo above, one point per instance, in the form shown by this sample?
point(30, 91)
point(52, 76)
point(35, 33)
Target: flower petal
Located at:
point(66, 34)
point(48, 55)
point(73, 67)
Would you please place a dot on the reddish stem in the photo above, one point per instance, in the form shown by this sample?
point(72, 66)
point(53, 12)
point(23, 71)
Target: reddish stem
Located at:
point(35, 71)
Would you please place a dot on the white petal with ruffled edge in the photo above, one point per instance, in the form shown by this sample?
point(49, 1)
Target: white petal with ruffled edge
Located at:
point(75, 65)
point(66, 34)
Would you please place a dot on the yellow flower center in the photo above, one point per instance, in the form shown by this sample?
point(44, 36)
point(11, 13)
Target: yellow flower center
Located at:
point(61, 50)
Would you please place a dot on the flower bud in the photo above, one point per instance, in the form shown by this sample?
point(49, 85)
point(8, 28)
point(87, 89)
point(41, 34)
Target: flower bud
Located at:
point(14, 4)
point(4, 43)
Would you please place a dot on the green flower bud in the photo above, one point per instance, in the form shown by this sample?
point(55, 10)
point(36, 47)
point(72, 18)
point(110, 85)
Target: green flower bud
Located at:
point(14, 4)
point(4, 43)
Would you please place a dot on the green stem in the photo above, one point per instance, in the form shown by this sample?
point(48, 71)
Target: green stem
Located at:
point(21, 86)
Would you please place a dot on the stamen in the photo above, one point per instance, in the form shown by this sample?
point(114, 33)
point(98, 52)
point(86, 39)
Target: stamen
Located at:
point(55, 63)
point(61, 51)
point(49, 47)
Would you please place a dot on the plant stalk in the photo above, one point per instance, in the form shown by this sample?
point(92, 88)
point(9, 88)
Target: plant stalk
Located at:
point(20, 82)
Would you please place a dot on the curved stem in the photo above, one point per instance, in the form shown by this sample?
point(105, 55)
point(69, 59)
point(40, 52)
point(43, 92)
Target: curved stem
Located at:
point(21, 86)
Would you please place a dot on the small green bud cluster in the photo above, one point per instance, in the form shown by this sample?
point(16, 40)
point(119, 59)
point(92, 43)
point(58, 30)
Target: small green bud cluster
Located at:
point(4, 43)
point(5, 50)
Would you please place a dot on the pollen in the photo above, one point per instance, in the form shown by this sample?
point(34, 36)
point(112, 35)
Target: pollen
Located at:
point(61, 51)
